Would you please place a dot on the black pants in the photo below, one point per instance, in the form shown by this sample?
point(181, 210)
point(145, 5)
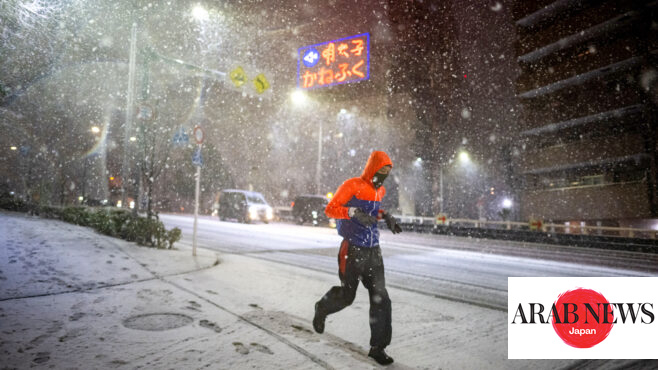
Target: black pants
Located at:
point(365, 264)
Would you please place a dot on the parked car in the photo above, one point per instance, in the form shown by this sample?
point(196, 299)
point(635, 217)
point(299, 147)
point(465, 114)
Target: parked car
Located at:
point(244, 206)
point(310, 209)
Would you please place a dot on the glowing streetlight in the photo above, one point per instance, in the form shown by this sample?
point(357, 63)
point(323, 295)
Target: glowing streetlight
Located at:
point(507, 203)
point(132, 138)
point(13, 147)
point(464, 157)
point(95, 129)
point(299, 98)
point(199, 13)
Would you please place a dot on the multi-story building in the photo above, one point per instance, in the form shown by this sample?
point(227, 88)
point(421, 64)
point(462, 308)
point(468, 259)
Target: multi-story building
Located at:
point(587, 146)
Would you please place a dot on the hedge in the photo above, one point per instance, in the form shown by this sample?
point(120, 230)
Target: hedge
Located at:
point(115, 222)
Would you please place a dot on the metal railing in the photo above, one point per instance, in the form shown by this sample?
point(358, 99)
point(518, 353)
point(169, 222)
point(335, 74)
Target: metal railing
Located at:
point(627, 232)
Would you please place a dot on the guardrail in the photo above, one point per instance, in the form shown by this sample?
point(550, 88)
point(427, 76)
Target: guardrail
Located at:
point(627, 232)
point(587, 236)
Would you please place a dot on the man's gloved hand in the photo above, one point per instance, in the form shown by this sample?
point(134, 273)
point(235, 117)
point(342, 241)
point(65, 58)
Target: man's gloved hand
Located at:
point(392, 223)
point(363, 218)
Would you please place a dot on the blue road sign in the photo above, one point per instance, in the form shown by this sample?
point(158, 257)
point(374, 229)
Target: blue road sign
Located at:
point(180, 137)
point(197, 158)
point(334, 62)
point(311, 57)
point(24, 150)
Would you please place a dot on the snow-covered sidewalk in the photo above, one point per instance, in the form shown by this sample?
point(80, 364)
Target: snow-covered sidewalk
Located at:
point(71, 298)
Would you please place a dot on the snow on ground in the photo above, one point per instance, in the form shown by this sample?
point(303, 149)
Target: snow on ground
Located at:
point(74, 299)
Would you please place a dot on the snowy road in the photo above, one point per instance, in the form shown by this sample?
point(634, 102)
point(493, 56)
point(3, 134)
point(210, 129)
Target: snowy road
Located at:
point(459, 269)
point(72, 298)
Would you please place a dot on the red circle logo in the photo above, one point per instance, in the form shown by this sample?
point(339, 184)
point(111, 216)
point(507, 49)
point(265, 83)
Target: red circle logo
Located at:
point(576, 323)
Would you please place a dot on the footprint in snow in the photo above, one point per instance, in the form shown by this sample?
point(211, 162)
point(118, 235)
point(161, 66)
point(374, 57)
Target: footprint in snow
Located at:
point(42, 357)
point(212, 326)
point(76, 316)
point(301, 328)
point(261, 348)
point(240, 348)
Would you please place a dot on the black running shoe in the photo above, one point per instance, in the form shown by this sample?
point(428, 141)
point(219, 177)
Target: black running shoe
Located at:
point(318, 319)
point(380, 356)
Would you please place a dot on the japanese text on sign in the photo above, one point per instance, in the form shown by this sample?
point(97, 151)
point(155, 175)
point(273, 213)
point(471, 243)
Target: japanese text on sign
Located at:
point(334, 62)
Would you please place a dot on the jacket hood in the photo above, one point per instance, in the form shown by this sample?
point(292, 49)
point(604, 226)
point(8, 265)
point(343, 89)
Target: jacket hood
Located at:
point(376, 161)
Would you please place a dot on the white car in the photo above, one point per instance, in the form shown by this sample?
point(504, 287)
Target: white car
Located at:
point(244, 206)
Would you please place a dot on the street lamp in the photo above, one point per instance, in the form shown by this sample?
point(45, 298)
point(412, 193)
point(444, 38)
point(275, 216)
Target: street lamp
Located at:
point(95, 129)
point(464, 159)
point(507, 209)
point(300, 99)
point(199, 13)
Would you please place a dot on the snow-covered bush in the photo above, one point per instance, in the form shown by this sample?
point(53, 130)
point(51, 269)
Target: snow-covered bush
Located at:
point(118, 223)
point(11, 203)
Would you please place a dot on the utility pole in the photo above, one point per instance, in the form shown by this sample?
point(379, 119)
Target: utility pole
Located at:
point(197, 160)
point(441, 189)
point(127, 129)
point(318, 168)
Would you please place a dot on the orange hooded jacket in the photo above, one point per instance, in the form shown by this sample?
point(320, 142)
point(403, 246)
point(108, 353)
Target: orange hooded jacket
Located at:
point(359, 192)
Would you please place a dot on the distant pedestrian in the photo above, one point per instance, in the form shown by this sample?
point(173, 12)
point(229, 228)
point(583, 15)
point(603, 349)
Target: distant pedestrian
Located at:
point(355, 206)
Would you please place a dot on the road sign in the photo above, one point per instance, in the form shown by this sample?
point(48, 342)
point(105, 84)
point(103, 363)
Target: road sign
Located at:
point(198, 134)
point(197, 158)
point(535, 224)
point(238, 76)
point(145, 112)
point(180, 137)
point(334, 62)
point(311, 57)
point(261, 84)
point(24, 150)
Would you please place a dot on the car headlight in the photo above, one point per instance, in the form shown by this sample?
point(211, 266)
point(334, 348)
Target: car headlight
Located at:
point(253, 213)
point(269, 214)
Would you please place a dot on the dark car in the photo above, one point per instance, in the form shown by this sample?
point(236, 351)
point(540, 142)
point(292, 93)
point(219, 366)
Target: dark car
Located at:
point(244, 206)
point(310, 209)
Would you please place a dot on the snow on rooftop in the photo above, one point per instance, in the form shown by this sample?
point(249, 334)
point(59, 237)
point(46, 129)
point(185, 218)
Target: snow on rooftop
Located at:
point(628, 158)
point(580, 37)
point(548, 12)
point(581, 78)
point(616, 113)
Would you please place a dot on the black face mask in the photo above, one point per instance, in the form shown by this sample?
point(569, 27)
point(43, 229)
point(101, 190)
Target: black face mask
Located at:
point(378, 179)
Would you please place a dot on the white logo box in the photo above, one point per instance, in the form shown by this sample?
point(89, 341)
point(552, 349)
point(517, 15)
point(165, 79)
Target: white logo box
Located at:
point(539, 341)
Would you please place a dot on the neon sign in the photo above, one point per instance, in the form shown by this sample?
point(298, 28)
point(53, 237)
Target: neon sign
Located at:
point(334, 62)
